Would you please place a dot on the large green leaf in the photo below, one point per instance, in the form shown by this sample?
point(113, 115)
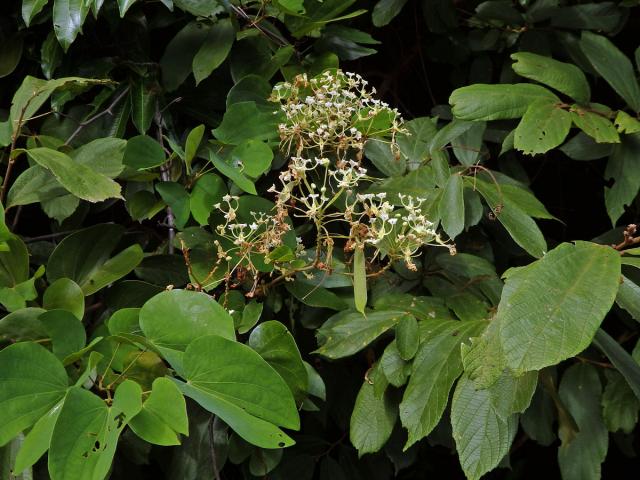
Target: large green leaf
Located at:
point(613, 66)
point(623, 167)
point(78, 179)
point(277, 346)
point(32, 381)
point(496, 102)
point(544, 318)
point(214, 50)
point(349, 332)
point(243, 121)
point(435, 368)
point(519, 224)
point(373, 417)
point(64, 294)
point(84, 258)
point(173, 319)
point(86, 433)
point(581, 456)
point(482, 436)
point(544, 126)
point(143, 152)
point(564, 77)
point(163, 416)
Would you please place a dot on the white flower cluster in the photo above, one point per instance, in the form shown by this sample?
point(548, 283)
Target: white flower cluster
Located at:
point(333, 112)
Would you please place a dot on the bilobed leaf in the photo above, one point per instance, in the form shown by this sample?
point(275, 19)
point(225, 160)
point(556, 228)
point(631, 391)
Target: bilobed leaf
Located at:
point(37, 441)
point(564, 77)
point(224, 371)
point(435, 368)
point(386, 10)
point(541, 326)
point(254, 156)
point(451, 206)
point(581, 392)
point(544, 126)
point(359, 279)
point(277, 346)
point(496, 102)
point(348, 332)
point(66, 332)
point(86, 433)
point(520, 226)
point(173, 319)
point(214, 50)
point(83, 257)
point(43, 382)
point(482, 436)
point(68, 17)
point(163, 416)
point(623, 168)
point(372, 419)
point(613, 65)
point(80, 180)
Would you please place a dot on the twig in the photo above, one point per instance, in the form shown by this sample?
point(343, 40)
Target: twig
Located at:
point(108, 110)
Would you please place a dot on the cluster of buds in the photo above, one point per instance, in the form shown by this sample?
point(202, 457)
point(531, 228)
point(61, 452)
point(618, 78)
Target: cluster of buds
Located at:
point(334, 112)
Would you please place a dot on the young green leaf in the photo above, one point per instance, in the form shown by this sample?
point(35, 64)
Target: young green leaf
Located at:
point(359, 279)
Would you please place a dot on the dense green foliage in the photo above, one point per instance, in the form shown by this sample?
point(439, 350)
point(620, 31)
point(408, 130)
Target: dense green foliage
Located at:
point(223, 255)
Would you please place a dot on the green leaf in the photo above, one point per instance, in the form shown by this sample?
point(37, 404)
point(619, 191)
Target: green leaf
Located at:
point(68, 17)
point(104, 155)
point(512, 394)
point(277, 346)
point(178, 199)
point(386, 10)
point(407, 337)
point(251, 314)
point(613, 66)
point(359, 279)
point(596, 126)
point(64, 294)
point(628, 296)
point(234, 174)
point(243, 121)
point(214, 50)
point(581, 393)
point(254, 156)
point(625, 363)
point(349, 332)
point(482, 436)
point(564, 77)
point(199, 8)
point(173, 319)
point(451, 207)
point(66, 332)
point(208, 190)
point(37, 441)
point(30, 8)
point(496, 102)
point(372, 419)
point(143, 152)
point(80, 180)
point(625, 123)
point(83, 257)
point(124, 5)
point(42, 383)
point(10, 54)
point(622, 167)
point(544, 126)
point(227, 372)
point(542, 326)
point(14, 262)
point(177, 60)
point(620, 406)
point(191, 145)
point(163, 416)
point(86, 434)
point(143, 104)
point(435, 368)
point(315, 296)
point(520, 226)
